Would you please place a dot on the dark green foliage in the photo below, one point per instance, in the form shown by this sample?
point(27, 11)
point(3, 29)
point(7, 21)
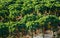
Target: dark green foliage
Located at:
point(4, 30)
point(28, 15)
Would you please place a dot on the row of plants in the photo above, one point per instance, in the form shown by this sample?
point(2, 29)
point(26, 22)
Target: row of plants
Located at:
point(28, 23)
point(12, 9)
